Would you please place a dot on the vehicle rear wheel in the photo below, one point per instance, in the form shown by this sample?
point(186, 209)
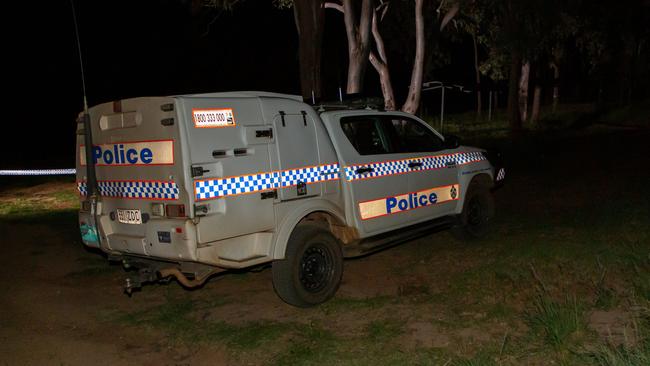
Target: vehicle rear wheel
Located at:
point(312, 269)
point(478, 210)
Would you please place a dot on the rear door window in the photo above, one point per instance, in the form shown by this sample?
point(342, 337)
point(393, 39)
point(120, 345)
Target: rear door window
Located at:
point(366, 135)
point(373, 135)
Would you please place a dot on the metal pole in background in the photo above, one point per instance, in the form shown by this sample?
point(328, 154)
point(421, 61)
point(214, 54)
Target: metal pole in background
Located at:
point(442, 108)
point(490, 107)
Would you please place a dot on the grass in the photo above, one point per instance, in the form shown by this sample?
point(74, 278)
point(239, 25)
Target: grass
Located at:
point(556, 321)
point(312, 345)
point(180, 319)
point(481, 359)
point(607, 355)
point(634, 351)
point(384, 330)
point(634, 114)
point(339, 304)
point(52, 200)
point(466, 124)
point(571, 238)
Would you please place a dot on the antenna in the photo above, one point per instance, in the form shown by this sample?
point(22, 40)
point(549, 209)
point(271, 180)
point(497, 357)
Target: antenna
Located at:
point(91, 176)
point(81, 62)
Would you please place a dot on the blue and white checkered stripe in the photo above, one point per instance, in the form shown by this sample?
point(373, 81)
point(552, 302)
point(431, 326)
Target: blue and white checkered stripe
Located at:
point(313, 174)
point(83, 190)
point(469, 157)
point(381, 169)
point(154, 190)
point(501, 174)
point(221, 187)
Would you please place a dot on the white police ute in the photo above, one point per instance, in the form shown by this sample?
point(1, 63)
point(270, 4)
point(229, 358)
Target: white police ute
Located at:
point(189, 186)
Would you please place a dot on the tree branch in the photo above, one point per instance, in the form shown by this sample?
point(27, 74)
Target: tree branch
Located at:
point(334, 6)
point(451, 13)
point(378, 39)
point(384, 80)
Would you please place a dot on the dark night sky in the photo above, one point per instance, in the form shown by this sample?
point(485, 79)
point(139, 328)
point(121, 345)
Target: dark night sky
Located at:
point(133, 48)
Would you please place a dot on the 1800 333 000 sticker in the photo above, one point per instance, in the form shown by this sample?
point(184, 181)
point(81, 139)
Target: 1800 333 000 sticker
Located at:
point(213, 117)
point(407, 201)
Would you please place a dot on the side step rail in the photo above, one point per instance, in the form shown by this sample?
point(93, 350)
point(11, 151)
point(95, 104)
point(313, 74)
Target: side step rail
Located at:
point(383, 241)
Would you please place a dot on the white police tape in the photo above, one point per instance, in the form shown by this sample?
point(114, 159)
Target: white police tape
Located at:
point(39, 172)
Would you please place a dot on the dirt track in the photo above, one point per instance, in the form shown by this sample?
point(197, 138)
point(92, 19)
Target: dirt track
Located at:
point(62, 304)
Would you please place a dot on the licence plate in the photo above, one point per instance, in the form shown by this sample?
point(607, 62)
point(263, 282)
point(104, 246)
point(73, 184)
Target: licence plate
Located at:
point(129, 216)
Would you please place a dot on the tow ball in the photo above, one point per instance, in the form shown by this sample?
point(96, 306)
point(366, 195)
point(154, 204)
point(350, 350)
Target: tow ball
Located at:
point(135, 282)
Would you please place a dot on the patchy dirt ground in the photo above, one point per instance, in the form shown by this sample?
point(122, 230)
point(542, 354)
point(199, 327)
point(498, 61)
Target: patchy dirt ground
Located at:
point(572, 238)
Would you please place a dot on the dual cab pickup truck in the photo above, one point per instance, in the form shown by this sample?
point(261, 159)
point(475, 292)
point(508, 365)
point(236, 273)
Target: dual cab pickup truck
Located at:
point(188, 186)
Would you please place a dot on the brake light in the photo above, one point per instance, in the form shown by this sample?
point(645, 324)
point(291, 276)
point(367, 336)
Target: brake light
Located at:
point(175, 210)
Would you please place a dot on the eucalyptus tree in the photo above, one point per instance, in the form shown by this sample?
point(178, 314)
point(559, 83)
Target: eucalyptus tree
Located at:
point(358, 30)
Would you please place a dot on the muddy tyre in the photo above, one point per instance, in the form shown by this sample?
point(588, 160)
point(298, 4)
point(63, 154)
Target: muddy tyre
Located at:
point(312, 269)
point(478, 210)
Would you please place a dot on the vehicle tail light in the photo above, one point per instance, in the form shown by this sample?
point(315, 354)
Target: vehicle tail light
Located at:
point(175, 210)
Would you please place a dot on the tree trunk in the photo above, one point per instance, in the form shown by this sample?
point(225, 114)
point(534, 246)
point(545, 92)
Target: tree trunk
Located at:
point(478, 79)
point(309, 17)
point(556, 85)
point(413, 99)
point(358, 34)
point(523, 90)
point(514, 117)
point(537, 95)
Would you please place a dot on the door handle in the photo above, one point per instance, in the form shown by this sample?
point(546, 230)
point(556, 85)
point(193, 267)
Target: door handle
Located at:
point(364, 170)
point(451, 164)
point(198, 171)
point(269, 194)
point(415, 164)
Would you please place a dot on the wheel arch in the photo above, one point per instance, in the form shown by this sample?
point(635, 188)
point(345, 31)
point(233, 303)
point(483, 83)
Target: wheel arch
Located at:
point(320, 212)
point(482, 179)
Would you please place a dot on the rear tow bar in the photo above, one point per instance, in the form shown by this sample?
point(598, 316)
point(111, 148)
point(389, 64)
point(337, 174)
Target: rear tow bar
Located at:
point(148, 275)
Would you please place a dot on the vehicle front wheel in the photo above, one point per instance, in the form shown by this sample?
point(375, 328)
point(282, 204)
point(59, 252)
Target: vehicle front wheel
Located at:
point(478, 211)
point(312, 269)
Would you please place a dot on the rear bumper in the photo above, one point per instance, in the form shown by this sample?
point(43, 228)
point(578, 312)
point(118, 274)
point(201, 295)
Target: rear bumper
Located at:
point(167, 239)
point(174, 240)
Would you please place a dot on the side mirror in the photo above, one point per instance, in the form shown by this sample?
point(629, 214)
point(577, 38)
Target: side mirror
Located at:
point(451, 141)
